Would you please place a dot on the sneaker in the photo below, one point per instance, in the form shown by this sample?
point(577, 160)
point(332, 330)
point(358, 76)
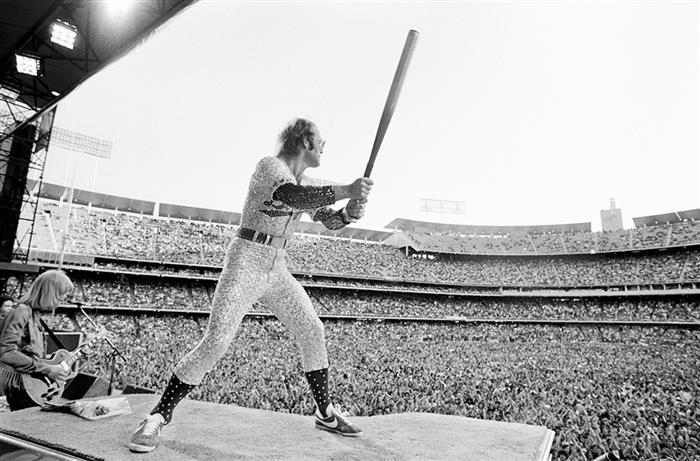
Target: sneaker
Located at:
point(337, 422)
point(145, 438)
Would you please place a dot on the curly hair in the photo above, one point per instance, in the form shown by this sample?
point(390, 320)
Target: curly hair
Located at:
point(295, 133)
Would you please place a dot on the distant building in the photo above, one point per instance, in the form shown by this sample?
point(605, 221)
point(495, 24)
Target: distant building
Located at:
point(611, 220)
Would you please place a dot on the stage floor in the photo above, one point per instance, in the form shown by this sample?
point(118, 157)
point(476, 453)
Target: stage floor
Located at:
point(207, 431)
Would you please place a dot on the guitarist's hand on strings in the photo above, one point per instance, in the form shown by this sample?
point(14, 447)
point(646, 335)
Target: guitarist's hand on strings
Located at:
point(57, 372)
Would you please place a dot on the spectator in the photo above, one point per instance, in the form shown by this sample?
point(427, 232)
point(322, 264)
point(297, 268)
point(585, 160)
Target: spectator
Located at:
point(7, 303)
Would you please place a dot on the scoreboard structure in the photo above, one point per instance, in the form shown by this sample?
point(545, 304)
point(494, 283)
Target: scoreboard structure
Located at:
point(451, 207)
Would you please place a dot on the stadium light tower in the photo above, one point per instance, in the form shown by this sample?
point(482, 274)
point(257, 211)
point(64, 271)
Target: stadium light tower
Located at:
point(88, 145)
point(63, 33)
point(28, 64)
point(8, 92)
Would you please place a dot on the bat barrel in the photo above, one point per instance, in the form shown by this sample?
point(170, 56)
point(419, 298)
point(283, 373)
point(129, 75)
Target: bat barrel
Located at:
point(393, 97)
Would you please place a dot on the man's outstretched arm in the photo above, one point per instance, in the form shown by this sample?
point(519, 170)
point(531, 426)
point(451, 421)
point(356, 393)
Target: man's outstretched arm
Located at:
point(308, 197)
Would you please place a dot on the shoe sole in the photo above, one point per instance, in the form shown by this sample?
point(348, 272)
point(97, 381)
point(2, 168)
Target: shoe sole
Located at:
point(140, 448)
point(336, 431)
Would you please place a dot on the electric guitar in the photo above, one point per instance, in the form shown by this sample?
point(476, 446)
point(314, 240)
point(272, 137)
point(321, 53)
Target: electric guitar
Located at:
point(44, 390)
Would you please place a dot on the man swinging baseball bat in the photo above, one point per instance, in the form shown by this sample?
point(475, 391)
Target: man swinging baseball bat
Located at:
point(255, 269)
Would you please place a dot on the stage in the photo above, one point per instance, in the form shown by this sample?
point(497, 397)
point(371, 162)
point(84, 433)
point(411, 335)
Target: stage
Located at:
point(207, 431)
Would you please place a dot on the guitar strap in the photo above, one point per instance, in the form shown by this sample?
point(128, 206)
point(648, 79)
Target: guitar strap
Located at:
point(52, 334)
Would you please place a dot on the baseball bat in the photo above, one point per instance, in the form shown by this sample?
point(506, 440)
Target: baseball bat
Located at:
point(393, 97)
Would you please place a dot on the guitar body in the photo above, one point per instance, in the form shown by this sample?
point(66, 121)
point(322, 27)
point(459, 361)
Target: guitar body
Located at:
point(42, 389)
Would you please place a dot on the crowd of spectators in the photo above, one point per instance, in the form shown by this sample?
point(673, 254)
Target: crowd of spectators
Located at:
point(684, 233)
point(575, 242)
point(692, 269)
point(598, 386)
point(634, 389)
point(145, 238)
point(560, 243)
point(356, 262)
point(655, 236)
point(349, 300)
point(365, 264)
point(182, 270)
point(97, 231)
point(356, 258)
point(177, 243)
point(171, 295)
point(404, 305)
point(105, 292)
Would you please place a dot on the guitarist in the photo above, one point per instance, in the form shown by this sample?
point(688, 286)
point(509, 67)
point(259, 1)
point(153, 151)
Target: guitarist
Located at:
point(22, 337)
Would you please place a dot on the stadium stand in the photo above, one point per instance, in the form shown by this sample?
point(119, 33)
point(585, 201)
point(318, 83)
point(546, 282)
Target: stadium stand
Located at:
point(129, 236)
point(594, 335)
point(155, 237)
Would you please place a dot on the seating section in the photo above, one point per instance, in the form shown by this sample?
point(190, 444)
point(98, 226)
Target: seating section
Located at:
point(604, 372)
point(97, 231)
point(466, 260)
point(394, 300)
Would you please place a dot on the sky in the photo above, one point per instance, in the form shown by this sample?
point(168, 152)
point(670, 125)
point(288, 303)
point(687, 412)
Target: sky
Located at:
point(530, 112)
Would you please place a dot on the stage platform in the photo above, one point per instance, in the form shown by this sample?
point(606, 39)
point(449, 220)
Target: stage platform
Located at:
point(207, 431)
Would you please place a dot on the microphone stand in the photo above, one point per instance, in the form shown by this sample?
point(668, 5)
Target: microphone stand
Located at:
point(115, 350)
point(113, 356)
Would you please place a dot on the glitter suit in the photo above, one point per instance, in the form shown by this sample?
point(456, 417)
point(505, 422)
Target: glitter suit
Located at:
point(256, 272)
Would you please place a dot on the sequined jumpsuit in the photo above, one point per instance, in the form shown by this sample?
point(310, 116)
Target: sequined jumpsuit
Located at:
point(256, 272)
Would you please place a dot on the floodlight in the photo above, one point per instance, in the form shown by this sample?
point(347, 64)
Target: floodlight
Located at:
point(28, 64)
point(8, 92)
point(63, 33)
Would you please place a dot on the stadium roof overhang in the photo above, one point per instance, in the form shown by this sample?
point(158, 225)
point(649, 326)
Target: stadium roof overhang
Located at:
point(103, 35)
point(167, 210)
point(411, 225)
point(89, 198)
point(667, 218)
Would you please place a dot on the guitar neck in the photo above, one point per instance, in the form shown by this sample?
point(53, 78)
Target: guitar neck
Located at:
point(74, 355)
point(72, 358)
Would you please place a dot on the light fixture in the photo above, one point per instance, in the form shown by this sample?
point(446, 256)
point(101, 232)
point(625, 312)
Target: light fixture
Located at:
point(63, 33)
point(28, 64)
point(8, 92)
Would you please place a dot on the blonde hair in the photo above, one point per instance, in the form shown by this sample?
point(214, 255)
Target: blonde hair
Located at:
point(295, 133)
point(48, 290)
